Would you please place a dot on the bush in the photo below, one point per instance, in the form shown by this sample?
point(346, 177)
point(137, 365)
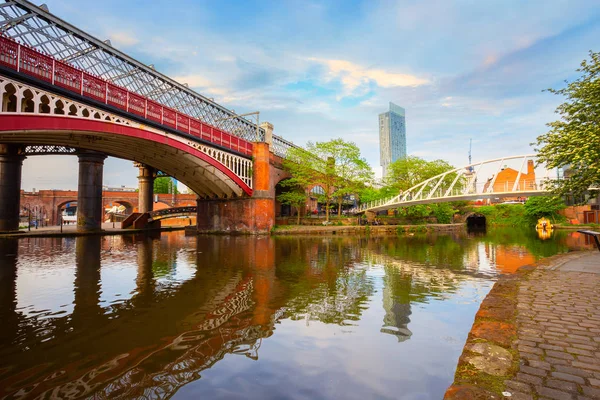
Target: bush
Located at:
point(503, 214)
point(538, 207)
point(443, 212)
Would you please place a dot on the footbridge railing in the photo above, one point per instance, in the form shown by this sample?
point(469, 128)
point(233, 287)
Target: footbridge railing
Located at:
point(483, 180)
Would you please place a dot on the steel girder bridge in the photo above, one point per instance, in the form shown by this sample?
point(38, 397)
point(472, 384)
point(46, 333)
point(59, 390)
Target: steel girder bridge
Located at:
point(482, 180)
point(45, 33)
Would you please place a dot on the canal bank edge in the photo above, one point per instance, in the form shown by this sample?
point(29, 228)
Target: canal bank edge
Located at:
point(490, 358)
point(363, 229)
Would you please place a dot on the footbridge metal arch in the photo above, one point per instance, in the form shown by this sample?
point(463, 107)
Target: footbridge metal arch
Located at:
point(466, 183)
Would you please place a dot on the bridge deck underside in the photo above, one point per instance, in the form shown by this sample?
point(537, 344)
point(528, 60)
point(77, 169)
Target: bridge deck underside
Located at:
point(467, 197)
point(199, 175)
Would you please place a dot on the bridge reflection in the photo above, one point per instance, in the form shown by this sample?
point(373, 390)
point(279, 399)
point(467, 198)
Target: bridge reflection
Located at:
point(166, 333)
point(175, 324)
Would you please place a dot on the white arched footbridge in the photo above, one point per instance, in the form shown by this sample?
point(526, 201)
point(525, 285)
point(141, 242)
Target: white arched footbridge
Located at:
point(492, 179)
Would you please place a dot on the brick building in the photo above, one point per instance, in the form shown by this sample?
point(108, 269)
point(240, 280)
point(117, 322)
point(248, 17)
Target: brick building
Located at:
point(505, 181)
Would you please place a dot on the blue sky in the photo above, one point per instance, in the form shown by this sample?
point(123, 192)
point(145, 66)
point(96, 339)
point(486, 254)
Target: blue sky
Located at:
point(321, 70)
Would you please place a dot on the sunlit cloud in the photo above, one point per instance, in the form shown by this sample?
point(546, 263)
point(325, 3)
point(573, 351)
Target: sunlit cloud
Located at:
point(123, 39)
point(356, 78)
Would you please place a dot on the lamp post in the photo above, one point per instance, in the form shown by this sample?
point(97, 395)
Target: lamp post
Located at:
point(35, 214)
point(27, 207)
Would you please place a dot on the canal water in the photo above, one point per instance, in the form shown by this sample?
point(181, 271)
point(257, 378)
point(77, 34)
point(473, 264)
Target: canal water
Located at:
point(222, 317)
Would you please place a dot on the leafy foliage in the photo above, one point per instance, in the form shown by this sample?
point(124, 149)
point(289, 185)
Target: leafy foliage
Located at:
point(573, 142)
point(538, 207)
point(345, 171)
point(503, 214)
point(335, 165)
point(443, 212)
point(405, 173)
point(295, 196)
point(164, 185)
point(300, 165)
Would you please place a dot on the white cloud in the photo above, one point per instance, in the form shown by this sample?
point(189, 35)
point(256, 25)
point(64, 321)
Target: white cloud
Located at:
point(123, 39)
point(356, 78)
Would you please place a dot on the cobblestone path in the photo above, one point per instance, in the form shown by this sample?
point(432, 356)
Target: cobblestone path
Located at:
point(558, 329)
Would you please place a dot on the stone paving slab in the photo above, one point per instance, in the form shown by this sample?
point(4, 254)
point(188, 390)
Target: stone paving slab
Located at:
point(587, 262)
point(558, 331)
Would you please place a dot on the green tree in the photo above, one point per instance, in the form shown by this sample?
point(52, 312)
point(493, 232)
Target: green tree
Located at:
point(342, 171)
point(405, 173)
point(444, 212)
point(538, 207)
point(573, 142)
point(335, 165)
point(350, 172)
point(164, 185)
point(416, 213)
point(301, 166)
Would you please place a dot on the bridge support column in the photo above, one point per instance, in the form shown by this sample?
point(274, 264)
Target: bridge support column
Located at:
point(255, 215)
point(146, 188)
point(145, 277)
point(10, 187)
point(87, 308)
point(89, 194)
point(8, 290)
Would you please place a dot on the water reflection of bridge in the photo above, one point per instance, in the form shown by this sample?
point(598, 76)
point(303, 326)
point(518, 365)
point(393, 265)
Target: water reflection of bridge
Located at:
point(163, 337)
point(169, 331)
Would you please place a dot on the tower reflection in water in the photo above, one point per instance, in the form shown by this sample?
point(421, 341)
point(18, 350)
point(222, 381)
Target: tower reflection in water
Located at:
point(193, 300)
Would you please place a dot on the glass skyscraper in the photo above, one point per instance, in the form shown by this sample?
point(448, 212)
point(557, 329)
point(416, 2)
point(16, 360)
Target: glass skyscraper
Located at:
point(392, 136)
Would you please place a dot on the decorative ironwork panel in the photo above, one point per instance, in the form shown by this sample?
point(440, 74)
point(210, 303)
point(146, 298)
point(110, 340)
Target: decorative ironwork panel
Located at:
point(8, 54)
point(46, 102)
point(48, 149)
point(94, 87)
point(38, 65)
point(281, 146)
point(173, 211)
point(67, 77)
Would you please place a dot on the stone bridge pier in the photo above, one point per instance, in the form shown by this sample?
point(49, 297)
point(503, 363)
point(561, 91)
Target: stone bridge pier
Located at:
point(249, 215)
point(10, 186)
point(89, 192)
point(89, 195)
point(254, 214)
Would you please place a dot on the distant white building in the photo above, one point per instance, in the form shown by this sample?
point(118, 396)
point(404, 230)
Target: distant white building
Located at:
point(121, 188)
point(392, 136)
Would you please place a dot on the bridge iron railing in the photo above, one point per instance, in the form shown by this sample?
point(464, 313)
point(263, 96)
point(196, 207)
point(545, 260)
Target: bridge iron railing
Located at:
point(135, 85)
point(31, 62)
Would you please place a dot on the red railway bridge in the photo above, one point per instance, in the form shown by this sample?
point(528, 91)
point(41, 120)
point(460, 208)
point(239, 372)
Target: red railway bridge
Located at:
point(62, 91)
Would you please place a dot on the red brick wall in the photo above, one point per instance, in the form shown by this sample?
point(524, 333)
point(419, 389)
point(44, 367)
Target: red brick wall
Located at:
point(51, 200)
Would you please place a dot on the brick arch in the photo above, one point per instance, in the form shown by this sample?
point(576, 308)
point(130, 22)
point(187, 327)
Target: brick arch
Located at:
point(129, 205)
point(57, 210)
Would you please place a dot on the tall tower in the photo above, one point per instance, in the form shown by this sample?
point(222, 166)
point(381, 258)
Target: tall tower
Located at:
point(392, 136)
